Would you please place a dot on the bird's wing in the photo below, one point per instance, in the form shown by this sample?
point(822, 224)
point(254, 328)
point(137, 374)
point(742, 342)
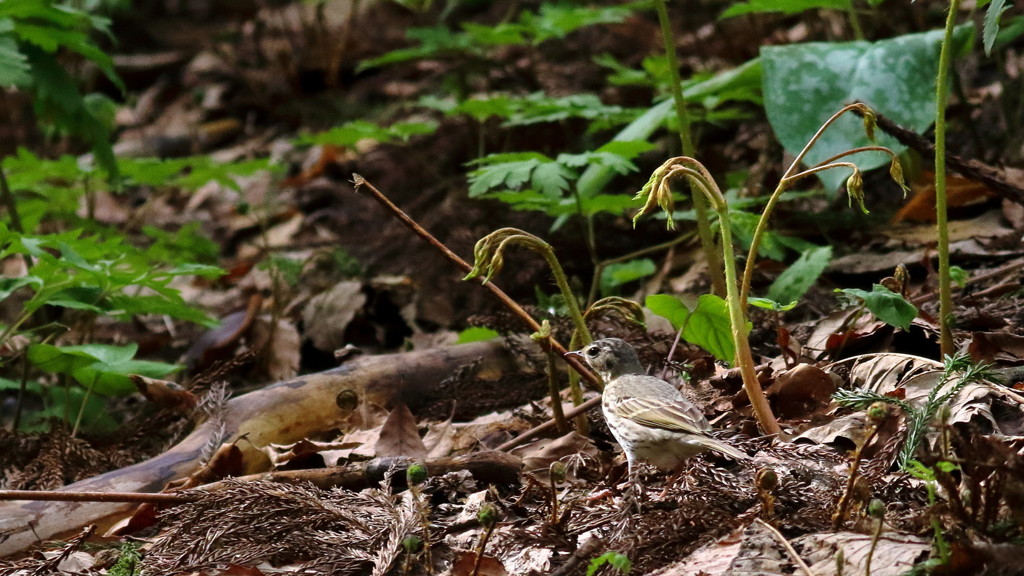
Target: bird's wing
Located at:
point(678, 415)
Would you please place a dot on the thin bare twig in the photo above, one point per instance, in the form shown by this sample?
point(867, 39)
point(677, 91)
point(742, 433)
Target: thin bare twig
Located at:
point(359, 182)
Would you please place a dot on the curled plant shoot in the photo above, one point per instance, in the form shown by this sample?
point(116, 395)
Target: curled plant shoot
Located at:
point(854, 183)
point(658, 192)
point(489, 259)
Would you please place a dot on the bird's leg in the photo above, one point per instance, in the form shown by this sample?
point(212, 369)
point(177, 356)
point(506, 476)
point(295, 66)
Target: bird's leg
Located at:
point(671, 480)
point(635, 493)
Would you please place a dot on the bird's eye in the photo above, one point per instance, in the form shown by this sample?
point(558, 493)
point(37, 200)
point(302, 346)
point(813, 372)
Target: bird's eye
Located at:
point(593, 351)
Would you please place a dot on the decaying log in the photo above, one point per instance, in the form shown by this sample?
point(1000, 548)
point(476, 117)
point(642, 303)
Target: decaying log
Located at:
point(281, 413)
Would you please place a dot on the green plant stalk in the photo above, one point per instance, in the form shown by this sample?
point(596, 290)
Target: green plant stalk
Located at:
point(941, 99)
point(424, 516)
point(553, 388)
point(737, 319)
point(562, 281)
point(744, 357)
point(851, 11)
point(576, 391)
point(700, 204)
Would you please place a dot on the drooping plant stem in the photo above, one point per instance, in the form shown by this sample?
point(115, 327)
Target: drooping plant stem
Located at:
point(702, 183)
point(941, 99)
point(791, 176)
point(700, 204)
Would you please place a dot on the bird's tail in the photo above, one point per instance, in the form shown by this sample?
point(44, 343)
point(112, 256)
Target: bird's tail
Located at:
point(723, 448)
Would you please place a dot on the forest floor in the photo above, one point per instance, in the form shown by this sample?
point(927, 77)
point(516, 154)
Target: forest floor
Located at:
point(320, 275)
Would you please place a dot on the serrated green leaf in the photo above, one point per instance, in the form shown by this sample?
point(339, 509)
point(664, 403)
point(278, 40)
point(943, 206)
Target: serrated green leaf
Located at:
point(9, 285)
point(14, 68)
point(349, 134)
point(794, 281)
point(507, 175)
point(709, 327)
point(552, 179)
point(743, 225)
point(668, 307)
point(886, 305)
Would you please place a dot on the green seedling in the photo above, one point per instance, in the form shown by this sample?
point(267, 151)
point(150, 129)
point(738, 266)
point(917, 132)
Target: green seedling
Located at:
point(618, 561)
point(958, 371)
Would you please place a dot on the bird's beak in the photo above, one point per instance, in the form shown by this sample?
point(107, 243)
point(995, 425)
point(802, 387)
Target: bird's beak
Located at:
point(576, 353)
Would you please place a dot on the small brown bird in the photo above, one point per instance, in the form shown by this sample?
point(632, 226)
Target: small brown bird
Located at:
point(649, 417)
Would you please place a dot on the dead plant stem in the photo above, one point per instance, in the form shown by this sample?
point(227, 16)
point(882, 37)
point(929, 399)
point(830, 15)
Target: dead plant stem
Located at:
point(577, 365)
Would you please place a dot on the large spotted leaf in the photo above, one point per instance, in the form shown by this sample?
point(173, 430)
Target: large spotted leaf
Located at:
point(804, 84)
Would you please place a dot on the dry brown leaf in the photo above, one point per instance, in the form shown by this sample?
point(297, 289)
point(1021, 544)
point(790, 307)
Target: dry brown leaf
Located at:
point(280, 347)
point(540, 454)
point(328, 314)
point(893, 554)
point(465, 561)
point(960, 192)
point(712, 559)
point(295, 455)
point(166, 394)
point(440, 439)
point(801, 391)
point(400, 436)
point(997, 347)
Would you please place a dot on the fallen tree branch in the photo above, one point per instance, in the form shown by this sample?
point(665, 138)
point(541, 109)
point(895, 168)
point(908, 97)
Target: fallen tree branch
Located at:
point(284, 412)
point(489, 466)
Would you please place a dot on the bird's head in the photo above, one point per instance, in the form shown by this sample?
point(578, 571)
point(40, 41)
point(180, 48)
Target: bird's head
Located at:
point(610, 357)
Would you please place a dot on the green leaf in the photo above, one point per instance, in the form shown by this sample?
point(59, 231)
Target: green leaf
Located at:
point(990, 28)
point(615, 275)
point(59, 360)
point(886, 305)
point(668, 307)
point(9, 285)
point(743, 225)
point(347, 135)
point(104, 368)
point(476, 334)
point(707, 326)
point(769, 304)
point(616, 560)
point(804, 84)
point(14, 68)
point(782, 6)
point(159, 305)
point(794, 282)
point(509, 171)
point(723, 86)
